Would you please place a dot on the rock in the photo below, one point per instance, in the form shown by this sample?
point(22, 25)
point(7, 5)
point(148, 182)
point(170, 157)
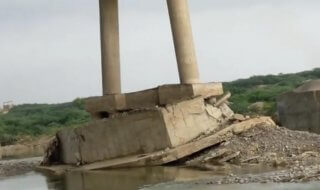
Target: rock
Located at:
point(216, 154)
point(279, 163)
point(239, 117)
point(223, 100)
point(226, 111)
point(309, 154)
point(214, 112)
point(230, 157)
point(257, 107)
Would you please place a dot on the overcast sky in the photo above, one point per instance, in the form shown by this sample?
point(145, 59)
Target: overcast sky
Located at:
point(50, 50)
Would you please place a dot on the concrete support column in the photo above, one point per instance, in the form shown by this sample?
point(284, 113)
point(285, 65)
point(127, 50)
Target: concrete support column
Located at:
point(183, 41)
point(110, 50)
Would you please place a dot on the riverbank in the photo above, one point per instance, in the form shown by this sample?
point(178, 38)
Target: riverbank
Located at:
point(18, 166)
point(25, 148)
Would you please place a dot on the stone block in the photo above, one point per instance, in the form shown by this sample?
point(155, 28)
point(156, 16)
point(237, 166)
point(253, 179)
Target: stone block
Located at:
point(226, 111)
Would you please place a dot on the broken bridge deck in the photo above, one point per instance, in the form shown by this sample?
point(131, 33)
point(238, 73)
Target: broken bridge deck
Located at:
point(166, 156)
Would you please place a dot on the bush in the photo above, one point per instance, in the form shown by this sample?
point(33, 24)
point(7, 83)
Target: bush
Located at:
point(39, 119)
point(265, 89)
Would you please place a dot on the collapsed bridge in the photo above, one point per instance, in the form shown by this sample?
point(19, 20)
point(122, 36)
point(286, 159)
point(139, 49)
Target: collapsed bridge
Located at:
point(150, 127)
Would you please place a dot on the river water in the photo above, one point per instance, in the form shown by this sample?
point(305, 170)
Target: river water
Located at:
point(157, 178)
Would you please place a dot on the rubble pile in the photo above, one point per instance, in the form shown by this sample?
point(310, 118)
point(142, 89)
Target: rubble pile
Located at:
point(263, 144)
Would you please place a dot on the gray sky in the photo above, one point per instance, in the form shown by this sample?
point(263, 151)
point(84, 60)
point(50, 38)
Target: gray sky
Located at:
point(50, 50)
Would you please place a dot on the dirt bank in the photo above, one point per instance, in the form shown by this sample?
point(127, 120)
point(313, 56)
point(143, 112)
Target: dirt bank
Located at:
point(27, 147)
point(293, 155)
point(18, 166)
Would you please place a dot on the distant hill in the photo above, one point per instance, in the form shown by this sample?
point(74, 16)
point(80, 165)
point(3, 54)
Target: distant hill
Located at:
point(246, 92)
point(40, 119)
point(45, 119)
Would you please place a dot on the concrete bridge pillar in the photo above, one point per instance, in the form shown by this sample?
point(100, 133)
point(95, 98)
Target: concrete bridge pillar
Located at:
point(110, 50)
point(183, 41)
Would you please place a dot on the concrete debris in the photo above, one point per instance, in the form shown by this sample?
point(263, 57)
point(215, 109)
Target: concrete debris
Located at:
point(214, 112)
point(229, 157)
point(141, 123)
point(262, 145)
point(223, 99)
point(173, 154)
point(239, 117)
point(142, 132)
point(226, 111)
point(216, 154)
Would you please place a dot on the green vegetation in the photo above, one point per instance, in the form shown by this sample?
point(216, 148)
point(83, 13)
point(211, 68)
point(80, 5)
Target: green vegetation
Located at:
point(43, 119)
point(265, 89)
point(40, 119)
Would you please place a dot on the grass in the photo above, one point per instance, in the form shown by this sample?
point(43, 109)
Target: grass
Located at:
point(265, 89)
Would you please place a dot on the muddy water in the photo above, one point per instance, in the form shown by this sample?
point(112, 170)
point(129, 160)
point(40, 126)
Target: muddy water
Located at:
point(309, 186)
point(133, 179)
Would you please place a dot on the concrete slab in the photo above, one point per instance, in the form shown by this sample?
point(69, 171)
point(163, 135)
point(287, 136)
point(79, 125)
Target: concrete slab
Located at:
point(169, 94)
point(187, 120)
point(142, 99)
point(101, 107)
point(135, 133)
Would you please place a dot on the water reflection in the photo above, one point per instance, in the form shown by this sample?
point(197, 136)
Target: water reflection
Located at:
point(30, 181)
point(128, 179)
point(133, 179)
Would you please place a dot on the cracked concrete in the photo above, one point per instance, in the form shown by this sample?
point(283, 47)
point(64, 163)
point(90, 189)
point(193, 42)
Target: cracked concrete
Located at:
point(137, 132)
